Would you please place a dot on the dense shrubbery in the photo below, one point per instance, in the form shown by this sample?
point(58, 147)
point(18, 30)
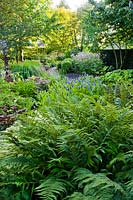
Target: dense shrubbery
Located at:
point(90, 67)
point(82, 63)
point(76, 144)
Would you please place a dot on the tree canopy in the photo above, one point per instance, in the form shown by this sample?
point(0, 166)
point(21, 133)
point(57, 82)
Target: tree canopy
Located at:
point(108, 24)
point(21, 20)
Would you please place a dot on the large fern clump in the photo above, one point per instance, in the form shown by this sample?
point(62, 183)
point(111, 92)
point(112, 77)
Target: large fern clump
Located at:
point(77, 144)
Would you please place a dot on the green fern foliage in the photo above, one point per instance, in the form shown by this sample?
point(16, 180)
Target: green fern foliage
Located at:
point(98, 185)
point(51, 188)
point(73, 147)
point(76, 144)
point(129, 189)
point(79, 196)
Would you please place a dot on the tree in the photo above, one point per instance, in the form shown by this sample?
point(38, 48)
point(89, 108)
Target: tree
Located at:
point(111, 25)
point(87, 36)
point(63, 4)
point(64, 37)
point(21, 20)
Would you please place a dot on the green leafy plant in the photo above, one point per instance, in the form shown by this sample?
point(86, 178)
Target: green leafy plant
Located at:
point(118, 75)
point(91, 66)
point(26, 69)
point(88, 63)
point(25, 88)
point(51, 188)
point(66, 65)
point(99, 186)
point(77, 143)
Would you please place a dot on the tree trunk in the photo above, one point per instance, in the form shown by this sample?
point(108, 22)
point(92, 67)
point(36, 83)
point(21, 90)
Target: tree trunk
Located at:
point(125, 54)
point(21, 57)
point(116, 59)
point(7, 71)
point(115, 55)
point(120, 55)
point(17, 56)
point(121, 59)
point(82, 42)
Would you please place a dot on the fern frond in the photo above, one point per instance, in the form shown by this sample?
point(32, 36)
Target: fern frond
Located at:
point(124, 175)
point(118, 158)
point(121, 166)
point(129, 188)
point(79, 196)
point(51, 188)
point(81, 174)
point(98, 185)
point(72, 146)
point(13, 164)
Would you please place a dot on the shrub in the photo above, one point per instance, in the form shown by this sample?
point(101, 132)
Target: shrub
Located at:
point(87, 63)
point(82, 63)
point(66, 65)
point(91, 67)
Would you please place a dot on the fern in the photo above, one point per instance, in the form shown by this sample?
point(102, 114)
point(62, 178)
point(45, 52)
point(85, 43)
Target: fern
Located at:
point(79, 196)
point(51, 188)
point(71, 129)
point(125, 158)
point(129, 189)
point(98, 185)
point(77, 151)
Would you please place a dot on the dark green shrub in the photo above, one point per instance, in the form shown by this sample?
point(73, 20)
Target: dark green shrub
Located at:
point(66, 65)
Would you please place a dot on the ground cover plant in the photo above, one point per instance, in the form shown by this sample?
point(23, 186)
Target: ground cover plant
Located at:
point(20, 96)
point(118, 75)
point(15, 98)
point(76, 144)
